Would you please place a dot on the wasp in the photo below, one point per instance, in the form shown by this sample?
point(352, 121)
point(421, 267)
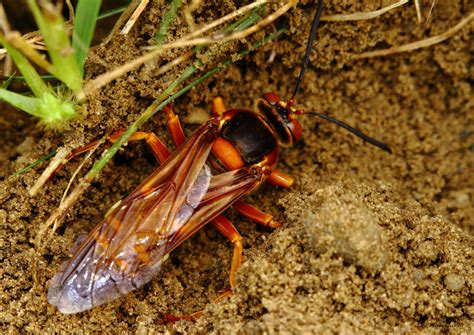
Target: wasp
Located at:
point(226, 158)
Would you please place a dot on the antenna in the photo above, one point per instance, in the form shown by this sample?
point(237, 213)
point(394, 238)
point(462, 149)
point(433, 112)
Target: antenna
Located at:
point(353, 130)
point(304, 66)
point(309, 46)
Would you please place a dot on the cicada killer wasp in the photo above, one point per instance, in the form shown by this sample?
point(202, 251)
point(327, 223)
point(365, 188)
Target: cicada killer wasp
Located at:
point(227, 157)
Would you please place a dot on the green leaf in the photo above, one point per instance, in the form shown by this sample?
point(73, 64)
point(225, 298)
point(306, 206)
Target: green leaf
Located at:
point(87, 12)
point(26, 104)
point(51, 110)
point(111, 12)
point(53, 29)
point(32, 78)
point(8, 81)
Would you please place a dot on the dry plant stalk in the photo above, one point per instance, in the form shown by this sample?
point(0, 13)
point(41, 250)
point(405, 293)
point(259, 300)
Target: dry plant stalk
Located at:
point(419, 44)
point(53, 220)
point(419, 15)
point(224, 19)
point(53, 165)
point(123, 18)
point(35, 41)
point(431, 11)
point(174, 62)
point(136, 14)
point(19, 43)
point(8, 65)
point(363, 15)
point(186, 41)
point(60, 212)
point(188, 13)
point(89, 154)
point(418, 10)
point(70, 8)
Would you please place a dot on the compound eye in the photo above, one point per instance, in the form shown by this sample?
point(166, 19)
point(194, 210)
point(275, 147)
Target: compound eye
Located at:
point(273, 114)
point(271, 98)
point(296, 129)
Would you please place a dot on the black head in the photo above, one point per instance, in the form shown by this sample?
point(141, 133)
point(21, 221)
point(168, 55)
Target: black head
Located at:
point(282, 118)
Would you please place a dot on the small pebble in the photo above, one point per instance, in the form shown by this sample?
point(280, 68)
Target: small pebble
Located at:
point(427, 251)
point(454, 282)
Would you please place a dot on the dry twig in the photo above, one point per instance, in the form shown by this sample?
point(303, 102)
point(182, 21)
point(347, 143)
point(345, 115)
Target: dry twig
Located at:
point(187, 41)
point(418, 44)
point(363, 15)
point(53, 165)
point(188, 13)
point(136, 14)
point(176, 61)
point(418, 10)
point(8, 65)
point(71, 180)
point(431, 11)
point(70, 8)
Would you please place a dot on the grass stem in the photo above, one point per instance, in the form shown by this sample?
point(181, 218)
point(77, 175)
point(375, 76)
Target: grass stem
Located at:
point(166, 22)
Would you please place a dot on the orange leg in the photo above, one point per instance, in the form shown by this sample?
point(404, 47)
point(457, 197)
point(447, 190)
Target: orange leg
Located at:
point(218, 107)
point(160, 151)
point(255, 214)
point(226, 228)
point(174, 127)
point(279, 178)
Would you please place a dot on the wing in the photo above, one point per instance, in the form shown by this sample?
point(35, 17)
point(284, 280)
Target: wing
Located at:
point(224, 189)
point(127, 249)
point(116, 256)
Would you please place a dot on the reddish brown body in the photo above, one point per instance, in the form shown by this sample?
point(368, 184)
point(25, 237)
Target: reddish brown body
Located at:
point(228, 157)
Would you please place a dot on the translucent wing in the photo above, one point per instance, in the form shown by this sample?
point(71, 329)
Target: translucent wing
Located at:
point(127, 249)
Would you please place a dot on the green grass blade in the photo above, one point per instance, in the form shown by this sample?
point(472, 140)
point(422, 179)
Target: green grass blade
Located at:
point(26, 104)
point(166, 21)
point(32, 165)
point(22, 78)
point(7, 82)
point(32, 78)
point(53, 29)
point(87, 12)
point(52, 110)
point(111, 12)
point(239, 25)
point(244, 22)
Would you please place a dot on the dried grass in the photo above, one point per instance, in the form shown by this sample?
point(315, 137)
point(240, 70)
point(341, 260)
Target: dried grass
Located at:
point(419, 44)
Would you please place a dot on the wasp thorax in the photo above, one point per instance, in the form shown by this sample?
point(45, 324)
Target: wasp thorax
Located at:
point(281, 116)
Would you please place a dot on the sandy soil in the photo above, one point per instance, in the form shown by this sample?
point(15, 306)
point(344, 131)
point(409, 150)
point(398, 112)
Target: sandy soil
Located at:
point(371, 242)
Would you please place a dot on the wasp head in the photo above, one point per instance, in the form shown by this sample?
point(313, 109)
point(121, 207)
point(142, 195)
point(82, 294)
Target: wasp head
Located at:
point(281, 116)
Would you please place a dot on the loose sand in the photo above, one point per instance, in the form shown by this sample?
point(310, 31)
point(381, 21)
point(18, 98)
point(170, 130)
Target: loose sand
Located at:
point(371, 242)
